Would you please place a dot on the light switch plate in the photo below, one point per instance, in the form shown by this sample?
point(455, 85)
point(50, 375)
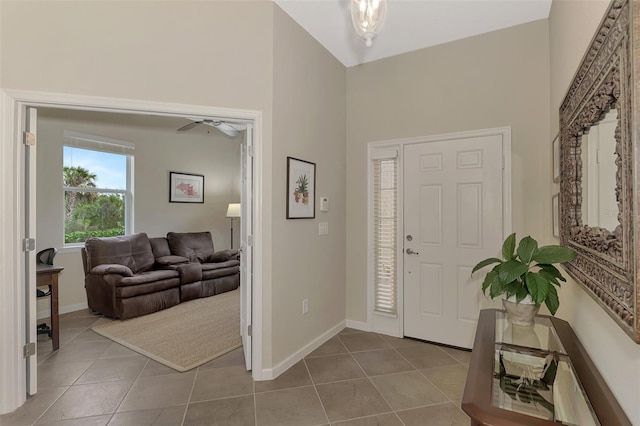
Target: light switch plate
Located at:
point(323, 228)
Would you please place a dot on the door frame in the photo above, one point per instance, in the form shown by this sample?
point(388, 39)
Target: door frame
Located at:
point(393, 325)
point(12, 272)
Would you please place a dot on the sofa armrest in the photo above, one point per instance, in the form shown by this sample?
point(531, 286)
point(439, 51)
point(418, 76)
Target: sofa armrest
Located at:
point(189, 272)
point(222, 256)
point(111, 268)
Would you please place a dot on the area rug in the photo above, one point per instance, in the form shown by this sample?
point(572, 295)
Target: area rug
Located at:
point(184, 336)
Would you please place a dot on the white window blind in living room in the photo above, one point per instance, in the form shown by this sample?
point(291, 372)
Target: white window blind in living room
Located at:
point(385, 223)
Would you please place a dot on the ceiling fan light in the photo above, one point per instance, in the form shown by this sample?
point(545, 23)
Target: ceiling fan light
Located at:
point(368, 17)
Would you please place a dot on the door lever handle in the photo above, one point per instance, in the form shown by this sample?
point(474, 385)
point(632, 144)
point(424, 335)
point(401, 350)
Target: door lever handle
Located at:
point(410, 251)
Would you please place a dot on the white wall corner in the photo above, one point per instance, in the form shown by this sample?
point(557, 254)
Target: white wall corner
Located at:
point(291, 360)
point(358, 325)
point(63, 310)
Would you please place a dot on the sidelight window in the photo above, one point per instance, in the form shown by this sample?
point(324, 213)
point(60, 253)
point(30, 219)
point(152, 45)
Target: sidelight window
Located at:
point(385, 224)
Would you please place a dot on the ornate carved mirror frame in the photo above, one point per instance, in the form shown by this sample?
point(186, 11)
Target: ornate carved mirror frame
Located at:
point(607, 79)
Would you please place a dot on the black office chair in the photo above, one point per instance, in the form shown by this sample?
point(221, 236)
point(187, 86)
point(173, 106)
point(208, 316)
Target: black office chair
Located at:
point(45, 257)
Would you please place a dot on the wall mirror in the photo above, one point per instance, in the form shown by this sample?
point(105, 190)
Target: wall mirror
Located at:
point(598, 127)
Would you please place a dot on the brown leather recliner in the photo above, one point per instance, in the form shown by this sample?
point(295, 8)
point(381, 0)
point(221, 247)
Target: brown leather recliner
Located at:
point(120, 278)
point(220, 270)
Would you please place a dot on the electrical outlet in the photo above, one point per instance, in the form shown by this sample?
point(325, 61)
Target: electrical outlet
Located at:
point(323, 228)
point(305, 306)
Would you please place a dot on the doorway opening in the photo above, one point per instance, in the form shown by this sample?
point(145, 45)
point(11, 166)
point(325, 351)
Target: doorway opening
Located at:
point(20, 109)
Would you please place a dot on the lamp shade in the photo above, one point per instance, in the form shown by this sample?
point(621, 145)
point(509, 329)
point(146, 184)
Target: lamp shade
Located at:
point(233, 210)
point(368, 17)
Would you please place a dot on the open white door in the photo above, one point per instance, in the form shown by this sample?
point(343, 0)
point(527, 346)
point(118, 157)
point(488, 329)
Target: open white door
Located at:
point(246, 244)
point(29, 124)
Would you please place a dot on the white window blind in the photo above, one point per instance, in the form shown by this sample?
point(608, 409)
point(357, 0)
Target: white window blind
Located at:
point(385, 223)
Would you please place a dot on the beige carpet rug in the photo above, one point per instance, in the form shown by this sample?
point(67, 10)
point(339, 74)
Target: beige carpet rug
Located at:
point(184, 336)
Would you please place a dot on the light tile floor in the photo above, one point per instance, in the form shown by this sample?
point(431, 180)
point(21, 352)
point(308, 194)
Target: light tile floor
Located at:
point(354, 379)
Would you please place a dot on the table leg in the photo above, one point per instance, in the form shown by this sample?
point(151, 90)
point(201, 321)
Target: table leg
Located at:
point(55, 322)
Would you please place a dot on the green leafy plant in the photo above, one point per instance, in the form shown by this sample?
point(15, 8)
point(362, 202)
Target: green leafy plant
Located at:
point(526, 270)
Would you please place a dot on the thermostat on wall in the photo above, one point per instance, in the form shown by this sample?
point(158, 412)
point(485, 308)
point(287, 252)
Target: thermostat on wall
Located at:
point(324, 204)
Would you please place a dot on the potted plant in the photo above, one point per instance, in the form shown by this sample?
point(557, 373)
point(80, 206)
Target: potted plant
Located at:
point(525, 277)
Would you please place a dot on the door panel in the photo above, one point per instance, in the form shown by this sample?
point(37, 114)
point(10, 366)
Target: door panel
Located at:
point(453, 202)
point(29, 191)
point(246, 256)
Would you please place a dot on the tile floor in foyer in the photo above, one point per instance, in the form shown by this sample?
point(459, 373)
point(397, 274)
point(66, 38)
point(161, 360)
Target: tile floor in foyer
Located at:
point(356, 379)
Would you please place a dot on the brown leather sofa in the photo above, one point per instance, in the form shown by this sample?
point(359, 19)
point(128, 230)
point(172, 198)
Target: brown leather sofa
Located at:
point(134, 275)
point(210, 272)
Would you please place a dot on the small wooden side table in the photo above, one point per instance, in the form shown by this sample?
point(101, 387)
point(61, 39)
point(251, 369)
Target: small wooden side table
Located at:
point(48, 275)
point(534, 376)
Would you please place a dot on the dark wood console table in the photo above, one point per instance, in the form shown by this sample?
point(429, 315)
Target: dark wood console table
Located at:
point(531, 376)
point(48, 275)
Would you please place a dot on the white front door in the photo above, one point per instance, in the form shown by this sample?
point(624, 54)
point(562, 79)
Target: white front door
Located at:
point(453, 218)
point(246, 245)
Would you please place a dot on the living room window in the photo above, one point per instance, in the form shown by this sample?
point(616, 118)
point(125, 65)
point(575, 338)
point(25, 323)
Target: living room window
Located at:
point(385, 224)
point(97, 177)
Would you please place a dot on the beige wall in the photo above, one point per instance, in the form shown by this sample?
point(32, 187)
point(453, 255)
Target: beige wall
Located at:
point(309, 123)
point(492, 80)
point(217, 54)
point(158, 150)
point(572, 25)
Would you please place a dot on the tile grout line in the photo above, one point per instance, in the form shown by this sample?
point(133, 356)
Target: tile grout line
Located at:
point(68, 387)
point(255, 403)
point(133, 382)
point(193, 386)
point(378, 390)
point(313, 383)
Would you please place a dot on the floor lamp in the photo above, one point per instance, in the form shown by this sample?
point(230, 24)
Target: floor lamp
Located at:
point(233, 211)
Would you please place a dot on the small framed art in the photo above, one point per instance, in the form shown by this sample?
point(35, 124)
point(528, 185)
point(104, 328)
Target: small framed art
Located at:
point(301, 189)
point(186, 188)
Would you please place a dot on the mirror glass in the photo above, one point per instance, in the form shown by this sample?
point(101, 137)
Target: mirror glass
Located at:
point(598, 154)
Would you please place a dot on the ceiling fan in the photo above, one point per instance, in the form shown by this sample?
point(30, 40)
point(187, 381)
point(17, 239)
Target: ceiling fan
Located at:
point(226, 128)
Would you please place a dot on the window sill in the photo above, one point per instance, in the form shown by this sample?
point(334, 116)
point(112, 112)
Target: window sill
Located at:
point(70, 249)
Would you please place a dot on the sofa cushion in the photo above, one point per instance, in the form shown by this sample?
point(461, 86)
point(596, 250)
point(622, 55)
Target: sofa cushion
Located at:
point(160, 246)
point(133, 251)
point(196, 246)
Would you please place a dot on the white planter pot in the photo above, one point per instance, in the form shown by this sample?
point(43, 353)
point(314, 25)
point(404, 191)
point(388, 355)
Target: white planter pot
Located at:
point(521, 313)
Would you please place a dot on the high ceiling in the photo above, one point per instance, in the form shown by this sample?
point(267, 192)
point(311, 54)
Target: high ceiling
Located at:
point(410, 24)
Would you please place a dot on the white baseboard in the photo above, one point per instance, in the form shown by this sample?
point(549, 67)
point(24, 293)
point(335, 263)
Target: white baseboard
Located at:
point(272, 373)
point(63, 310)
point(358, 325)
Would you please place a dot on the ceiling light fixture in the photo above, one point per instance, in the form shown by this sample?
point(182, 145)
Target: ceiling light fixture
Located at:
point(368, 18)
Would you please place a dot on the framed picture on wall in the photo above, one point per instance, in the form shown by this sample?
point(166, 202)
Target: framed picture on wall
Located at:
point(556, 158)
point(301, 189)
point(186, 188)
point(555, 215)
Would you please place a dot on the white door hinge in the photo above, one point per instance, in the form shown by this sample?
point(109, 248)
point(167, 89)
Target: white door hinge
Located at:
point(28, 244)
point(29, 138)
point(249, 330)
point(250, 150)
point(250, 240)
point(28, 350)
